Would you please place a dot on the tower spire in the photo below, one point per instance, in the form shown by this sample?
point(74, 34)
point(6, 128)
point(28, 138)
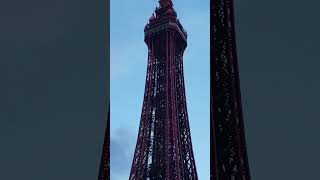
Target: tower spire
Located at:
point(165, 3)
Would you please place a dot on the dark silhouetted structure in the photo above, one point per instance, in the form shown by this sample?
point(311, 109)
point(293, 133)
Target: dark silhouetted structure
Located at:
point(229, 159)
point(164, 150)
point(104, 171)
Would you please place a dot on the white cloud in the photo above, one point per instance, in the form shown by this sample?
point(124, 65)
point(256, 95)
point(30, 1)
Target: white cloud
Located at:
point(121, 153)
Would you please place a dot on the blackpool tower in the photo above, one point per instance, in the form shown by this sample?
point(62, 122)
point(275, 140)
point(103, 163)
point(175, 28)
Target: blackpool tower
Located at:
point(164, 149)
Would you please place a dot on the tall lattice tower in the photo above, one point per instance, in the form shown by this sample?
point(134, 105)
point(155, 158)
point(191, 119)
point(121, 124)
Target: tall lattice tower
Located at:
point(228, 148)
point(104, 171)
point(164, 150)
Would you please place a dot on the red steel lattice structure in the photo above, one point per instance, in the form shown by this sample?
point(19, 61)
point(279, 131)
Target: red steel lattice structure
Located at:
point(229, 159)
point(164, 149)
point(104, 171)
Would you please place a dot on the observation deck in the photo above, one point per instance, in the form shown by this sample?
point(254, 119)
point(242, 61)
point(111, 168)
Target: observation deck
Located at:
point(164, 18)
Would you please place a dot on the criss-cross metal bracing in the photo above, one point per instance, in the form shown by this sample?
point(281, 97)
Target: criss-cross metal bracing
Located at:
point(164, 149)
point(104, 171)
point(229, 159)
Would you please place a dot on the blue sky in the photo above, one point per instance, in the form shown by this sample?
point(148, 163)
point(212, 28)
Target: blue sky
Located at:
point(128, 70)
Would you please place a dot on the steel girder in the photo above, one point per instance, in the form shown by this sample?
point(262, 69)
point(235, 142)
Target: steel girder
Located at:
point(104, 171)
point(229, 159)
